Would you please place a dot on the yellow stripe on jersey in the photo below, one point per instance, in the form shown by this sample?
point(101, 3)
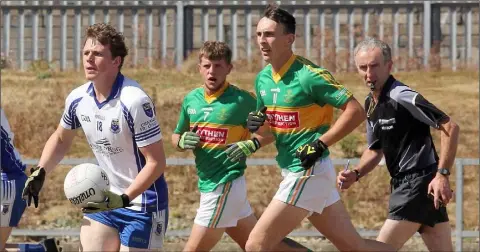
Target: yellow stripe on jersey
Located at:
point(214, 135)
point(210, 98)
point(290, 120)
point(325, 74)
point(278, 76)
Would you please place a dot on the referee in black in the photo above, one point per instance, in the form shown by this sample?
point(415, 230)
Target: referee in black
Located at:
point(398, 128)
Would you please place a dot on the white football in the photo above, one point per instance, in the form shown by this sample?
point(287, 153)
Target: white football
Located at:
point(85, 183)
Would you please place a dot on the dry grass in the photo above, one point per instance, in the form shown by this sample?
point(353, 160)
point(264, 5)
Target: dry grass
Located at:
point(34, 107)
point(315, 244)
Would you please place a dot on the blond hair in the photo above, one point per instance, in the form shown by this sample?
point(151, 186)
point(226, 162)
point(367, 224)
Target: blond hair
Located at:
point(215, 50)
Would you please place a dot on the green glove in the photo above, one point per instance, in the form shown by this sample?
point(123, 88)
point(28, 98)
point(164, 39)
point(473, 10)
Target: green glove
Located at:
point(112, 201)
point(189, 139)
point(242, 149)
point(33, 185)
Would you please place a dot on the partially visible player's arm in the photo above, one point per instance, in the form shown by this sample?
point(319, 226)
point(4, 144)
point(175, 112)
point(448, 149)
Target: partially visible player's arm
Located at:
point(54, 150)
point(56, 147)
point(368, 161)
point(188, 140)
point(155, 164)
point(353, 115)
point(175, 139)
point(372, 156)
point(244, 149)
point(60, 141)
point(448, 142)
point(322, 86)
point(440, 185)
point(264, 135)
point(426, 112)
point(184, 138)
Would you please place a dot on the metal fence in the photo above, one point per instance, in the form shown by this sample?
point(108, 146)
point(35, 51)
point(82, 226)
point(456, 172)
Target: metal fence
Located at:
point(170, 30)
point(459, 233)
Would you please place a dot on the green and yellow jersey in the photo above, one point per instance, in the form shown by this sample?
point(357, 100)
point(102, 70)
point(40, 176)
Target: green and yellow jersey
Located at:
point(221, 120)
point(299, 100)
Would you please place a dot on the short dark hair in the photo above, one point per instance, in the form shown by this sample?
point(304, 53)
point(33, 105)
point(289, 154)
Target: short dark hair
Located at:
point(107, 35)
point(216, 50)
point(281, 16)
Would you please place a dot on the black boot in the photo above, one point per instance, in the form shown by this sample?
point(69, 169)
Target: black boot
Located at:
point(51, 245)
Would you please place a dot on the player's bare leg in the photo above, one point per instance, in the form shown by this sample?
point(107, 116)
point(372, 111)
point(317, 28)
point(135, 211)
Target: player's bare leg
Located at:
point(397, 232)
point(203, 238)
point(438, 238)
point(272, 226)
point(124, 248)
point(240, 233)
point(95, 236)
point(50, 244)
point(4, 234)
point(10, 248)
point(245, 226)
point(344, 235)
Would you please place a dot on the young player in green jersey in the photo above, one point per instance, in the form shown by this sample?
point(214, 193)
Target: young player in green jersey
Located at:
point(300, 98)
point(211, 118)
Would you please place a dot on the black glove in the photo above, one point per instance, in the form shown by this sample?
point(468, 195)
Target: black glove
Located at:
point(309, 153)
point(33, 185)
point(256, 119)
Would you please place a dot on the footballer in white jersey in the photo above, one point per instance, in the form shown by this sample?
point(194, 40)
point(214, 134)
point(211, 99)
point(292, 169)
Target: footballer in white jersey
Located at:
point(120, 123)
point(115, 129)
point(12, 206)
point(13, 179)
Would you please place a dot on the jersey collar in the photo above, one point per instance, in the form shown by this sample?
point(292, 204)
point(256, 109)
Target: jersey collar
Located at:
point(278, 76)
point(214, 96)
point(114, 93)
point(386, 88)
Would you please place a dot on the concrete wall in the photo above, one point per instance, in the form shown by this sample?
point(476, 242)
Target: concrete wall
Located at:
point(299, 45)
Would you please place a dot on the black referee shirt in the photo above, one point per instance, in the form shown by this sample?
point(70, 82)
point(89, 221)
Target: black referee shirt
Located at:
point(399, 125)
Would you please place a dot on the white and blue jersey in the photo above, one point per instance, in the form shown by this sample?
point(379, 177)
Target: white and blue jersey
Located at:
point(13, 179)
point(115, 130)
point(12, 166)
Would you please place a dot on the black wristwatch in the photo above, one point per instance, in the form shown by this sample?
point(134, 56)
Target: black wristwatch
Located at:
point(357, 173)
point(444, 171)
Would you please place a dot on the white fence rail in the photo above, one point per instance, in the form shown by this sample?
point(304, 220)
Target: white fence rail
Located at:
point(171, 30)
point(459, 233)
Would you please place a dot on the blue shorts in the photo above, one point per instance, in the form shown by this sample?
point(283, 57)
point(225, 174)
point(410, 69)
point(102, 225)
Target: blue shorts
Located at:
point(12, 205)
point(136, 229)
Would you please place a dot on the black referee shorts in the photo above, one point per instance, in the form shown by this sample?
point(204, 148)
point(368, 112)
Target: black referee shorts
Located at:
point(409, 199)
